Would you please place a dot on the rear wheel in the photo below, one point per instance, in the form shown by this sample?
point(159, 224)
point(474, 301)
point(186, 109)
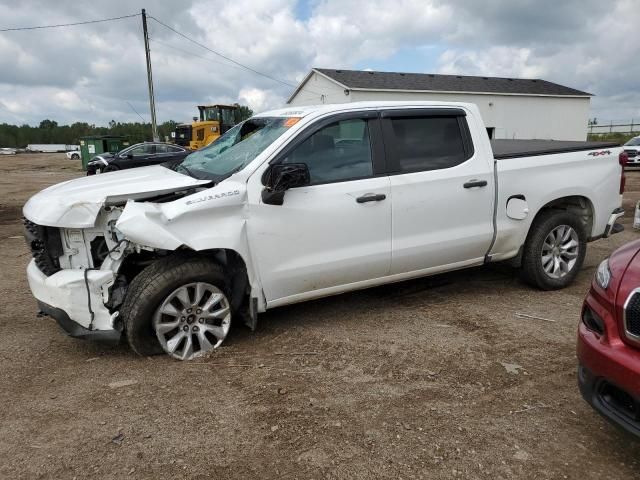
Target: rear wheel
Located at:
point(179, 306)
point(75, 156)
point(554, 250)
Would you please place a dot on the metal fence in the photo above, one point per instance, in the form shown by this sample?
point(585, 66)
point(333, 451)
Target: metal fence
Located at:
point(615, 127)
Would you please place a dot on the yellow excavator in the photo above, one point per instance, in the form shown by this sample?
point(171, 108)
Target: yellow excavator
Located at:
point(213, 121)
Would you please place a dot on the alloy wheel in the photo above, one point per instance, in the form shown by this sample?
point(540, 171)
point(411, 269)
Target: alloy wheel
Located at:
point(560, 251)
point(193, 320)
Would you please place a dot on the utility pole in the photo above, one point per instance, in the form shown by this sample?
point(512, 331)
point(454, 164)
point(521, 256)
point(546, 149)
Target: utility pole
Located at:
point(152, 102)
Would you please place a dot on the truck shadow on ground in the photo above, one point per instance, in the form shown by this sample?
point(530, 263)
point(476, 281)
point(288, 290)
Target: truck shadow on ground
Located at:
point(340, 309)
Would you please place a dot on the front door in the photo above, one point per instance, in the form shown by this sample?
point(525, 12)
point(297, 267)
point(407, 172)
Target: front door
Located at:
point(140, 156)
point(442, 191)
point(335, 231)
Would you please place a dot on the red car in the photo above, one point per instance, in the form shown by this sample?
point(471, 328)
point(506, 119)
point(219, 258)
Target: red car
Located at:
point(609, 339)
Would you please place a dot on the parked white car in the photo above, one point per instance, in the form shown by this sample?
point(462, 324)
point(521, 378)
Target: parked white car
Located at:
point(632, 147)
point(302, 203)
point(73, 155)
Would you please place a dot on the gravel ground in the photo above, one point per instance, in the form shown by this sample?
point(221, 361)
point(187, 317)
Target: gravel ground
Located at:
point(402, 381)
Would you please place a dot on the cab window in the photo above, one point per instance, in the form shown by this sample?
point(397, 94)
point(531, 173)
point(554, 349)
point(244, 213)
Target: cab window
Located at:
point(338, 152)
point(424, 143)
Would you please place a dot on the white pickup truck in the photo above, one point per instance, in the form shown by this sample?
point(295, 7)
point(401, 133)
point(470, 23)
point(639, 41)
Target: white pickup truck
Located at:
point(302, 203)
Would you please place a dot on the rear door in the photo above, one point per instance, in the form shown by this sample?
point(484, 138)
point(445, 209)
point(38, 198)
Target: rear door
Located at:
point(164, 153)
point(335, 231)
point(169, 154)
point(442, 189)
point(175, 152)
point(141, 155)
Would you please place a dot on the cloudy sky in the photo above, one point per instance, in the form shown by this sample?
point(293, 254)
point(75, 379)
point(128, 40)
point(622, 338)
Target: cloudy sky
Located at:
point(89, 73)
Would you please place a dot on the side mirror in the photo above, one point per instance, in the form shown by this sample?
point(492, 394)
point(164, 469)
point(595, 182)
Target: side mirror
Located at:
point(282, 177)
point(129, 156)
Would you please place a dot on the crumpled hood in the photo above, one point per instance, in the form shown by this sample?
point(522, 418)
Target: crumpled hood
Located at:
point(76, 203)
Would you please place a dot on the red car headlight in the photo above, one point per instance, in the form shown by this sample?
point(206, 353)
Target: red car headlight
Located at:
point(603, 274)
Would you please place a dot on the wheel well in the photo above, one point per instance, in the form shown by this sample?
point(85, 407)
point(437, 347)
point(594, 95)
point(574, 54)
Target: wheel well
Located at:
point(580, 206)
point(230, 260)
point(238, 278)
point(576, 204)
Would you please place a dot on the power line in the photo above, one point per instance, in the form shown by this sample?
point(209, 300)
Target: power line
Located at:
point(195, 42)
point(235, 63)
point(16, 29)
point(186, 52)
point(136, 112)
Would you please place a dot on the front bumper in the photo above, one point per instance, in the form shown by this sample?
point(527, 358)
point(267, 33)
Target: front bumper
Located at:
point(75, 330)
point(93, 169)
point(610, 401)
point(77, 305)
point(609, 371)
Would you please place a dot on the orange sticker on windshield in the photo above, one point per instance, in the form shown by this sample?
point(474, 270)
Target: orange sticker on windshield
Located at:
point(291, 121)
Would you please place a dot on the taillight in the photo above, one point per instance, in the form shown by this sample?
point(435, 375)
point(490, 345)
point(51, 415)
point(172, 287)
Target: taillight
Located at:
point(623, 158)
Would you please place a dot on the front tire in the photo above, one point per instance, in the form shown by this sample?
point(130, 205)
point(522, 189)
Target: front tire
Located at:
point(180, 306)
point(110, 168)
point(554, 250)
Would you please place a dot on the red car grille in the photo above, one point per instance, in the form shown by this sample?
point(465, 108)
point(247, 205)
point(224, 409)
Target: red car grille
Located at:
point(632, 316)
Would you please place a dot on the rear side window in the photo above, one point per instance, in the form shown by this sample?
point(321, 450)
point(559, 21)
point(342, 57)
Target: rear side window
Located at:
point(338, 152)
point(145, 149)
point(424, 143)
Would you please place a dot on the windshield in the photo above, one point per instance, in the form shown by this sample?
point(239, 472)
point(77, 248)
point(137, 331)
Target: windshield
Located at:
point(235, 149)
point(634, 142)
point(228, 116)
point(210, 114)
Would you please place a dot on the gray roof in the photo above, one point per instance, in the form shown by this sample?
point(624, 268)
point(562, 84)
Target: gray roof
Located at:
point(369, 80)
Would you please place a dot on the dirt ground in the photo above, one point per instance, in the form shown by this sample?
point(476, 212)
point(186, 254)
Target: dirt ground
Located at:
point(405, 381)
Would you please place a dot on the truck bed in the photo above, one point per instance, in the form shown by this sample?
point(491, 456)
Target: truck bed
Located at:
point(505, 149)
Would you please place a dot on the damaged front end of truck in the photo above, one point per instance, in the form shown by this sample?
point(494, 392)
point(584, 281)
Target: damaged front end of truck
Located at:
point(91, 237)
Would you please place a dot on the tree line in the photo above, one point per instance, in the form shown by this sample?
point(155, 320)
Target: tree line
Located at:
point(48, 131)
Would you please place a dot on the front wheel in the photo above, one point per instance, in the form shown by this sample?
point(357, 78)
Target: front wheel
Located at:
point(110, 168)
point(554, 250)
point(180, 306)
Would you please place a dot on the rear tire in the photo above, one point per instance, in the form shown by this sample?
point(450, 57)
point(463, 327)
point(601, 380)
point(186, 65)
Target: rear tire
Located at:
point(153, 286)
point(554, 250)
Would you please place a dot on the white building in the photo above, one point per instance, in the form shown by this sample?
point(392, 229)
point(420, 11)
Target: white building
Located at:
point(510, 107)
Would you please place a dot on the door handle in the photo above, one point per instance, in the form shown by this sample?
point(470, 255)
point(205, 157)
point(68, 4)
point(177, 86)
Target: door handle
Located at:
point(371, 197)
point(475, 183)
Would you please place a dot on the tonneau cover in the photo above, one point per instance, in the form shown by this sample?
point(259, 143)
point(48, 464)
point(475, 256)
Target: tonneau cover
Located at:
point(503, 149)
